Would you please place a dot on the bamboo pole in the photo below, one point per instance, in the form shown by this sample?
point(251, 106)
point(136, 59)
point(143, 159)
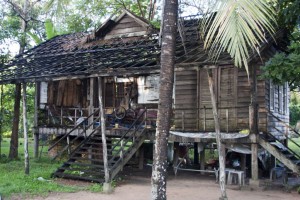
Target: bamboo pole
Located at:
point(26, 156)
point(221, 148)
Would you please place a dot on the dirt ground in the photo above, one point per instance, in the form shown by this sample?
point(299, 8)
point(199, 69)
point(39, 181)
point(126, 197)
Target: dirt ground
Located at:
point(184, 186)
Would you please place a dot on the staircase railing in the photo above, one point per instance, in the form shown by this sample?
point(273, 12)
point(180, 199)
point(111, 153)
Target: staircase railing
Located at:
point(295, 132)
point(128, 140)
point(79, 135)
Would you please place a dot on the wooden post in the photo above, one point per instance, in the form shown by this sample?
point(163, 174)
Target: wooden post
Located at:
point(36, 132)
point(220, 146)
point(204, 119)
point(176, 154)
point(198, 99)
point(227, 120)
point(253, 125)
point(196, 153)
point(103, 129)
point(91, 106)
point(26, 156)
point(254, 161)
point(141, 157)
point(243, 162)
point(202, 159)
point(182, 120)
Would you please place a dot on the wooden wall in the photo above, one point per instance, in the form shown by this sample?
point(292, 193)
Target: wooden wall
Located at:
point(193, 110)
point(126, 26)
point(67, 93)
point(185, 114)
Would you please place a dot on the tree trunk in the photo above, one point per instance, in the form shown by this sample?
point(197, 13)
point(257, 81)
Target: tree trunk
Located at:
point(159, 170)
point(26, 156)
point(1, 118)
point(14, 141)
point(221, 149)
point(13, 151)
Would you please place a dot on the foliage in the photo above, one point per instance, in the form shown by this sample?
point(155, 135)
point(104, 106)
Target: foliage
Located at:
point(238, 26)
point(81, 15)
point(285, 66)
point(6, 113)
point(294, 108)
point(288, 16)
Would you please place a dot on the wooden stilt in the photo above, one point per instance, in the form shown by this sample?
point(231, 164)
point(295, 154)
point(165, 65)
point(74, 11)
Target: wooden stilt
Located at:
point(196, 153)
point(141, 157)
point(36, 133)
point(91, 97)
point(202, 160)
point(103, 129)
point(221, 147)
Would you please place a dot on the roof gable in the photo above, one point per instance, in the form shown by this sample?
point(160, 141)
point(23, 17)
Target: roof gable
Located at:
point(125, 25)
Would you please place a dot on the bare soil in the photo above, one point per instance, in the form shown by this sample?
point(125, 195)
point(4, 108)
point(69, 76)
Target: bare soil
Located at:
point(181, 187)
point(136, 185)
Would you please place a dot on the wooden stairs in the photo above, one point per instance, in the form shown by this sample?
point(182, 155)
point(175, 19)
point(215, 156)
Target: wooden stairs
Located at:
point(85, 161)
point(282, 153)
point(288, 157)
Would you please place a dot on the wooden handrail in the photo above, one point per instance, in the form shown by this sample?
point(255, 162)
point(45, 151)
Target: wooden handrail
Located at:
point(73, 129)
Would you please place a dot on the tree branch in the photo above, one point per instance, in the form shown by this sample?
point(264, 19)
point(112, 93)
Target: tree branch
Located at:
point(17, 8)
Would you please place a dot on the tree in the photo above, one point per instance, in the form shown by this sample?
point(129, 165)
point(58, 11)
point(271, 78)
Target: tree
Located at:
point(159, 169)
point(13, 151)
point(81, 15)
point(285, 66)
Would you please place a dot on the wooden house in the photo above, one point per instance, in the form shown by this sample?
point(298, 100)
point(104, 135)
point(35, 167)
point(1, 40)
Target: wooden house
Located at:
point(121, 61)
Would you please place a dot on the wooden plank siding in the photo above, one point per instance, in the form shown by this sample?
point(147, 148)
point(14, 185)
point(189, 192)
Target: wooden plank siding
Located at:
point(244, 100)
point(126, 26)
point(185, 114)
point(67, 93)
point(233, 91)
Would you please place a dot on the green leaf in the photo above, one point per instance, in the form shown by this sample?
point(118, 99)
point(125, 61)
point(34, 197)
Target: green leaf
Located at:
point(50, 30)
point(238, 27)
point(34, 37)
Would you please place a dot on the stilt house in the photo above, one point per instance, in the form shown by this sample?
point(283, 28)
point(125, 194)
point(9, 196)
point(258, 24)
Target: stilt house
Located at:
point(120, 63)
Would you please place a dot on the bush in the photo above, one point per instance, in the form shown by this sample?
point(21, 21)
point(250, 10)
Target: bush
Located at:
point(294, 114)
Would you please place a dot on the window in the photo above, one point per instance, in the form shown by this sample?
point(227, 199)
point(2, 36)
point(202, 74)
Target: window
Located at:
point(116, 89)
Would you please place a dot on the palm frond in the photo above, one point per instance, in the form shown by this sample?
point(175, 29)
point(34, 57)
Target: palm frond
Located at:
point(238, 27)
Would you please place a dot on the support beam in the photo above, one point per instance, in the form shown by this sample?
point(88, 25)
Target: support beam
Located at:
point(196, 153)
point(202, 159)
point(103, 136)
point(253, 124)
point(141, 157)
point(221, 147)
point(91, 98)
point(35, 129)
point(254, 162)
point(26, 155)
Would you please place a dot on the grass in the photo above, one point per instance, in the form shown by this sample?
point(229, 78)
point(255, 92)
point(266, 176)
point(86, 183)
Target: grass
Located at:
point(293, 146)
point(13, 180)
